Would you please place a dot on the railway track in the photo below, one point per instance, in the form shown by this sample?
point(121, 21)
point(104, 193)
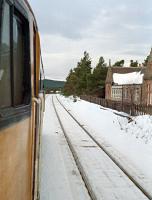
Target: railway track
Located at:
point(140, 192)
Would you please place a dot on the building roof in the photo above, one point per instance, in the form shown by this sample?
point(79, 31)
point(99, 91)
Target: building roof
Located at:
point(148, 72)
point(150, 57)
point(128, 78)
point(123, 70)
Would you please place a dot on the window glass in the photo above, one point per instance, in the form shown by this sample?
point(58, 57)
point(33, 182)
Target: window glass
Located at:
point(41, 87)
point(5, 72)
point(21, 68)
point(18, 58)
point(15, 85)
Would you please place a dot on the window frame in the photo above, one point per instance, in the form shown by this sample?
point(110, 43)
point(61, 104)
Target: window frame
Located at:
point(9, 2)
point(11, 114)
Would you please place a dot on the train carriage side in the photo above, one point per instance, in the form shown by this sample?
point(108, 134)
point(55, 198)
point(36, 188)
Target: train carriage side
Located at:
point(21, 104)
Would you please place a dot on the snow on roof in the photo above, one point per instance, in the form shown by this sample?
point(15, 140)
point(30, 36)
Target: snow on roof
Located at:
point(128, 78)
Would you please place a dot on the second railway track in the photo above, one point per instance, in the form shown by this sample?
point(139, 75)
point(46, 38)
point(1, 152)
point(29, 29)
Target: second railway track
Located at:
point(120, 181)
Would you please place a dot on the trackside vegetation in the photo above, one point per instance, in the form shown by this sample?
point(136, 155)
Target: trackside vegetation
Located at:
point(85, 80)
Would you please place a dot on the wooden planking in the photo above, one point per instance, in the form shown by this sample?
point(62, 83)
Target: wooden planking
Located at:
point(15, 162)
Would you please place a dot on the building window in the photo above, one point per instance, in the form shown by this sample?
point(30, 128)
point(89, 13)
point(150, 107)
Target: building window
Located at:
point(116, 93)
point(136, 95)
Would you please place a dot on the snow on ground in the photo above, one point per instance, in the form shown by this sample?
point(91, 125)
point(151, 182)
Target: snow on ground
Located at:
point(140, 127)
point(105, 179)
point(60, 178)
point(133, 140)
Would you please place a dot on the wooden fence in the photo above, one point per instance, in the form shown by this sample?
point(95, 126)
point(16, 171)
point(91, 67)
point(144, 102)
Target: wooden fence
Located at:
point(131, 109)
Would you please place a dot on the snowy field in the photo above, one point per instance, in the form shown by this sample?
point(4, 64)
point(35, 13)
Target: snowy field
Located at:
point(129, 142)
point(60, 178)
point(133, 141)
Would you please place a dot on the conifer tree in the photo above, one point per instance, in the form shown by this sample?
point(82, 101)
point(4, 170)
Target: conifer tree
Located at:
point(96, 81)
point(119, 63)
point(81, 80)
point(76, 82)
point(83, 71)
point(133, 63)
point(70, 85)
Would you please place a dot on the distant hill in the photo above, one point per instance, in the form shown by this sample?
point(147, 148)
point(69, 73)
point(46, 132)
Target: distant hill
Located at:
point(53, 84)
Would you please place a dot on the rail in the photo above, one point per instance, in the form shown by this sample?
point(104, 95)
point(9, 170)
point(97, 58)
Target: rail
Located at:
point(78, 163)
point(123, 168)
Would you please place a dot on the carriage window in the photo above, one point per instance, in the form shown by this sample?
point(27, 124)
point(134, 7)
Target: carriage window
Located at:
point(5, 72)
point(41, 86)
point(18, 58)
point(14, 59)
point(20, 61)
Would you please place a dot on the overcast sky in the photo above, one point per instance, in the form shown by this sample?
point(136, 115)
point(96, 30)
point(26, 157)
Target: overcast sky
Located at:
point(114, 29)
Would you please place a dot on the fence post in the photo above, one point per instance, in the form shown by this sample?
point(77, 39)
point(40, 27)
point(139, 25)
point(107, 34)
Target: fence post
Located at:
point(130, 108)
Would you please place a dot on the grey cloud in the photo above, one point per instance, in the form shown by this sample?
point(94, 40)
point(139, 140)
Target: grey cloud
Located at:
point(122, 25)
point(112, 28)
point(133, 52)
point(70, 18)
point(67, 18)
